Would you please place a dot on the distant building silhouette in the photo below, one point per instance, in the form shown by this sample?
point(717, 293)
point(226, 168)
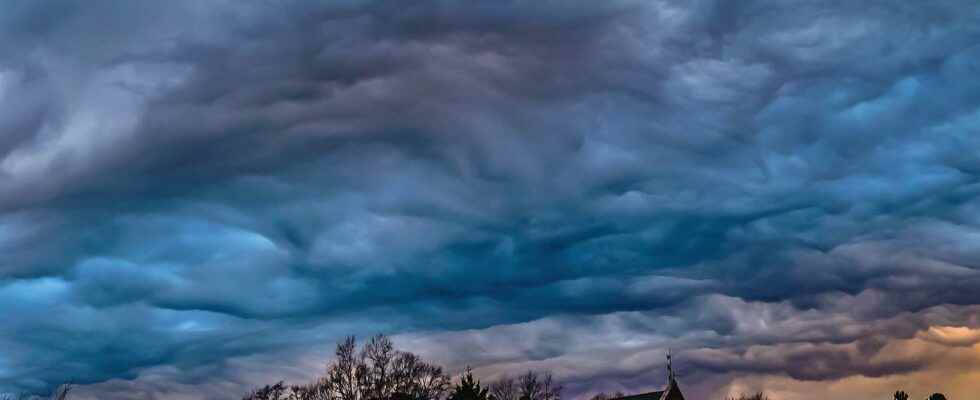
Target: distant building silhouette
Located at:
point(671, 392)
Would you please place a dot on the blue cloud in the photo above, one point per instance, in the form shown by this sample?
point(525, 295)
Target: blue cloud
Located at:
point(190, 191)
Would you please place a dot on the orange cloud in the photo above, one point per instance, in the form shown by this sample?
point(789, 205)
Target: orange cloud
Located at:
point(951, 355)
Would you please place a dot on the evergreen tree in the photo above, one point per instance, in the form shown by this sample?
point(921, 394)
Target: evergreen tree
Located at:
point(469, 388)
point(901, 395)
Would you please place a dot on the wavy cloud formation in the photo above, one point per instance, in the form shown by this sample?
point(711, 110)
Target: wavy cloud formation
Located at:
point(194, 195)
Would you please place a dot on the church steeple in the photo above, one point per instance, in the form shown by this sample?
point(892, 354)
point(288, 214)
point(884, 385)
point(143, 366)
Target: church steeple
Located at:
point(672, 391)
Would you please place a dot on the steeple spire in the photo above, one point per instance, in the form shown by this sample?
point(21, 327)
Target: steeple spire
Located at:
point(670, 368)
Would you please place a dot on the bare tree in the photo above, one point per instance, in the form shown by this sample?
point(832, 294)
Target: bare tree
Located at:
point(416, 379)
point(605, 396)
point(321, 389)
point(277, 391)
point(757, 396)
point(347, 376)
point(379, 355)
point(529, 386)
point(536, 386)
point(504, 388)
point(377, 372)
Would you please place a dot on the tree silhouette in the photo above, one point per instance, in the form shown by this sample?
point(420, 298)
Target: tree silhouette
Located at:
point(757, 396)
point(901, 395)
point(469, 388)
point(529, 386)
point(276, 391)
point(606, 396)
point(377, 372)
point(504, 389)
point(937, 396)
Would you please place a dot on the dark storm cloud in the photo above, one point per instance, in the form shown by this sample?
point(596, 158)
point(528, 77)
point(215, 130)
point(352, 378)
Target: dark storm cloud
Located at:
point(241, 178)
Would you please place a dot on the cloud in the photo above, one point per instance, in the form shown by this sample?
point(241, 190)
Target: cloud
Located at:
point(190, 191)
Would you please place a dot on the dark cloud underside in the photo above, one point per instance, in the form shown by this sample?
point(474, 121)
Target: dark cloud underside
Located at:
point(189, 191)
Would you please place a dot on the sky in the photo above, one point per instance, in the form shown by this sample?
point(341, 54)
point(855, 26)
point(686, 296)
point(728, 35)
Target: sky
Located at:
point(198, 197)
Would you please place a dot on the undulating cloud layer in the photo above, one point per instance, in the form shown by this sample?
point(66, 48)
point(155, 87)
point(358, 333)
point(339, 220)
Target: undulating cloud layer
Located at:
point(199, 197)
